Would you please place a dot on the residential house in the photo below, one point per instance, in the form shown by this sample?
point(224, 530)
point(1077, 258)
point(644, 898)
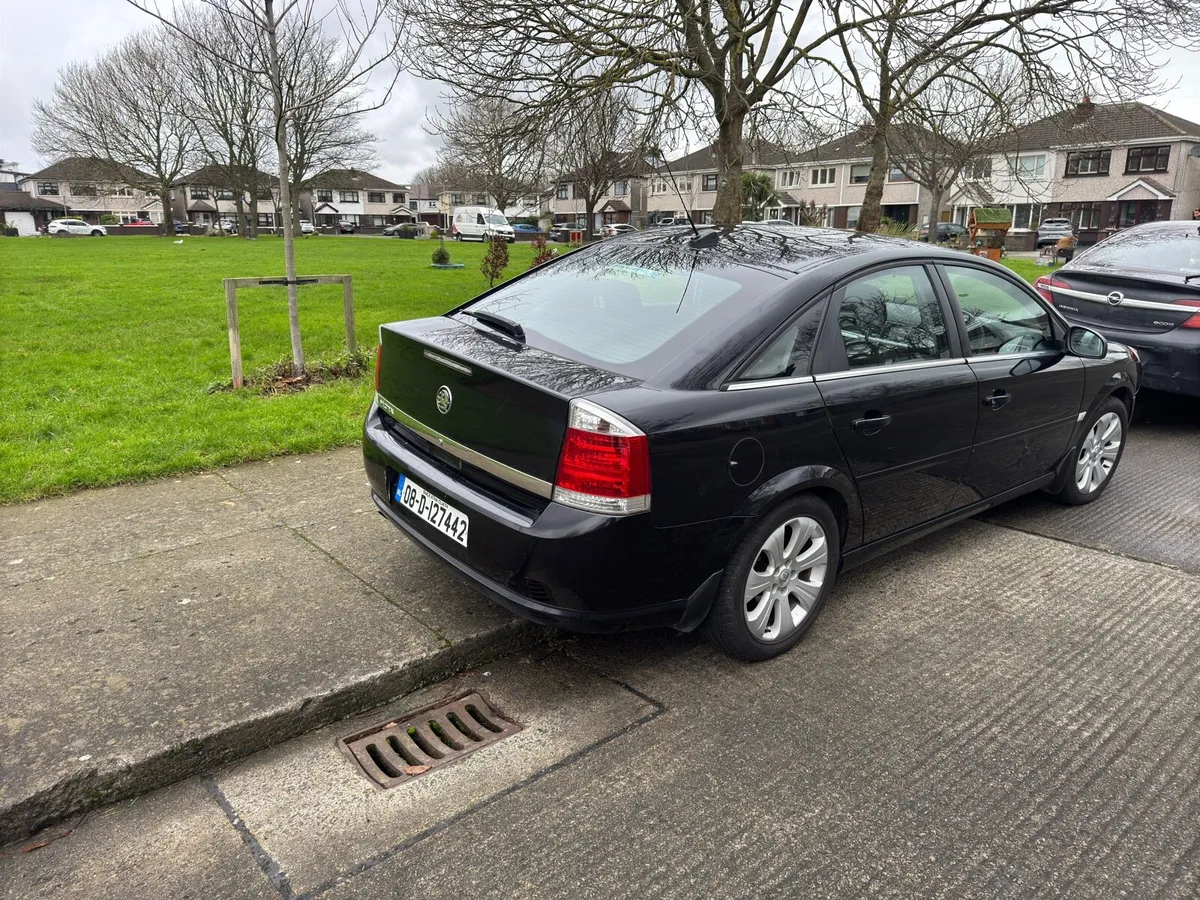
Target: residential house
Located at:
point(622, 203)
point(689, 183)
point(1103, 166)
point(27, 213)
point(424, 202)
point(355, 196)
point(834, 177)
point(92, 189)
point(204, 198)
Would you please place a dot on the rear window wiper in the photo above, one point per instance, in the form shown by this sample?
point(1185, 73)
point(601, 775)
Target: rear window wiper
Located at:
point(500, 323)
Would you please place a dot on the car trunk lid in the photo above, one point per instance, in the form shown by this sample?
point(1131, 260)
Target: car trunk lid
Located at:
point(1126, 300)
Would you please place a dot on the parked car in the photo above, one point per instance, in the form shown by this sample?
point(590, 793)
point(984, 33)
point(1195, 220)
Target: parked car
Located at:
point(946, 231)
point(666, 430)
point(561, 233)
point(480, 223)
point(1141, 286)
point(617, 228)
point(526, 229)
point(401, 229)
point(347, 227)
point(141, 223)
point(1050, 230)
point(181, 227)
point(75, 226)
point(229, 226)
point(306, 227)
point(668, 221)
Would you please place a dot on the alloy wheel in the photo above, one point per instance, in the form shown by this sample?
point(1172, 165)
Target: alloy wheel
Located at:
point(1098, 453)
point(785, 579)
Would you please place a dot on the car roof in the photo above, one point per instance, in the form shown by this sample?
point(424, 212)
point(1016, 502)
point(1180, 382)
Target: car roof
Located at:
point(791, 248)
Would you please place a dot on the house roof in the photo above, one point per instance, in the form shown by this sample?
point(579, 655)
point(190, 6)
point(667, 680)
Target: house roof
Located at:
point(218, 176)
point(615, 206)
point(756, 153)
point(402, 211)
point(1149, 185)
point(201, 206)
point(325, 207)
point(15, 201)
point(352, 179)
point(88, 168)
point(1094, 123)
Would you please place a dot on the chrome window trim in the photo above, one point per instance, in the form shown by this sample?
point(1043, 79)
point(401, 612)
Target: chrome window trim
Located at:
point(896, 367)
point(466, 454)
point(767, 382)
point(1032, 354)
point(447, 362)
point(1127, 301)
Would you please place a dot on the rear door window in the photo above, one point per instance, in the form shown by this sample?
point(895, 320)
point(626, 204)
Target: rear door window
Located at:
point(889, 317)
point(790, 353)
point(628, 309)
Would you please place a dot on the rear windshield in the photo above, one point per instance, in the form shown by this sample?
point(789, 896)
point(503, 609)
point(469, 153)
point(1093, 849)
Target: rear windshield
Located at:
point(628, 310)
point(1167, 250)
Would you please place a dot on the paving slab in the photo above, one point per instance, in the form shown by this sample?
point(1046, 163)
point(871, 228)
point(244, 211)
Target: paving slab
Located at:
point(1151, 510)
point(176, 843)
point(173, 643)
point(321, 822)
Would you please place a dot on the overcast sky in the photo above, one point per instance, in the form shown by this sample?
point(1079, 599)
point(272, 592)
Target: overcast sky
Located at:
point(37, 36)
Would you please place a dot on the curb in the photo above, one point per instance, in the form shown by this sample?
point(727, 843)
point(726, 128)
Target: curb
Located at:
point(123, 779)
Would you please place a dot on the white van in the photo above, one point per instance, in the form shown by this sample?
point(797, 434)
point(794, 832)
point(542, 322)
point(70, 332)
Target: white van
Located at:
point(480, 223)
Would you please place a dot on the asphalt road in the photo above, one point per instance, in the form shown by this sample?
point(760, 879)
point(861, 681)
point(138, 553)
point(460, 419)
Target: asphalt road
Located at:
point(1010, 708)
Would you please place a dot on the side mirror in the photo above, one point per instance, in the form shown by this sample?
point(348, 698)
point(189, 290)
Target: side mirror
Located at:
point(1086, 343)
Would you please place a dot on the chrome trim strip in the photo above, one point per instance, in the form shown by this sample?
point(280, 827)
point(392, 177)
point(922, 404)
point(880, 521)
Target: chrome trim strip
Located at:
point(447, 362)
point(898, 367)
point(1038, 354)
point(466, 454)
point(767, 382)
point(1102, 299)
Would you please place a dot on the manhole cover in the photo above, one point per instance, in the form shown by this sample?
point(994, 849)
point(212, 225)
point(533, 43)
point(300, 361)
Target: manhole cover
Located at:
point(399, 751)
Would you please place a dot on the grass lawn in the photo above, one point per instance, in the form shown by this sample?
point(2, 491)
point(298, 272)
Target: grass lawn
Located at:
point(108, 348)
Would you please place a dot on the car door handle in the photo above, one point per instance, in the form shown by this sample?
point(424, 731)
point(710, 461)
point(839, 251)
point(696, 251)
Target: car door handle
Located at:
point(996, 399)
point(872, 424)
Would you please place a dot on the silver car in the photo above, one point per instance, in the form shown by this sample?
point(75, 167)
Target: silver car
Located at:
point(75, 226)
point(1050, 230)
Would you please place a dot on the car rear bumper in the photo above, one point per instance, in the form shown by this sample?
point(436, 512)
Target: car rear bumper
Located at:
point(1170, 361)
point(547, 562)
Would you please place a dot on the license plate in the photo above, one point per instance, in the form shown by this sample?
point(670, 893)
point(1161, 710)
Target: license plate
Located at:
point(422, 504)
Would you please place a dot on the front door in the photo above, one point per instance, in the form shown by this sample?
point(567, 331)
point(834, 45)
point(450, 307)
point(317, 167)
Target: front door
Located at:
point(1030, 392)
point(902, 400)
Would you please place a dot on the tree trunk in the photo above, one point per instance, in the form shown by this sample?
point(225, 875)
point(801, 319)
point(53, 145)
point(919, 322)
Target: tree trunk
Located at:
point(252, 231)
point(168, 217)
point(871, 213)
point(285, 187)
point(935, 208)
point(239, 205)
point(727, 210)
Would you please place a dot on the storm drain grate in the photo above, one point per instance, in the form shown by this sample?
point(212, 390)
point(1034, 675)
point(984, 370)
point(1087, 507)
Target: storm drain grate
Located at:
point(399, 751)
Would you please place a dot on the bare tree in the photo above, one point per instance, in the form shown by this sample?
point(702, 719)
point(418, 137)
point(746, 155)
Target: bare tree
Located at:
point(897, 49)
point(126, 111)
point(493, 147)
point(365, 45)
point(601, 139)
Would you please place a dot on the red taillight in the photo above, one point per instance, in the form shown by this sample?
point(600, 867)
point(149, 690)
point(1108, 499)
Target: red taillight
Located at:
point(378, 363)
point(1043, 285)
point(1194, 321)
point(605, 463)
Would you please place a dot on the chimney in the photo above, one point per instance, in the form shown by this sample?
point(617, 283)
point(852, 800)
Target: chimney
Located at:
point(1085, 107)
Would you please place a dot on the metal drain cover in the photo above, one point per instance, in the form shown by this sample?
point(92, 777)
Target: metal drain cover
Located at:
point(399, 751)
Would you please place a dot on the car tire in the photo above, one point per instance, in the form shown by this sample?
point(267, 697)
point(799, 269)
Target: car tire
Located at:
point(1095, 457)
point(752, 624)
point(96, 232)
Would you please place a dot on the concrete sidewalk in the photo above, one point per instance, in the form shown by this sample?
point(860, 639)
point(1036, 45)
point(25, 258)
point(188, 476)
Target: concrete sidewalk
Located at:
point(151, 632)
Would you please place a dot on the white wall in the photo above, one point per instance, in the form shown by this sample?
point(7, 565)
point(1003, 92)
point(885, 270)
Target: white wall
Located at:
point(22, 221)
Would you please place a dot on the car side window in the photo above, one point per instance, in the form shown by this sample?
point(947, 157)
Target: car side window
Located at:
point(892, 316)
point(1000, 317)
point(790, 352)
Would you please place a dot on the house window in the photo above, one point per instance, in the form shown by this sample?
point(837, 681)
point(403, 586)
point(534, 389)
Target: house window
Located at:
point(685, 187)
point(47, 188)
point(860, 174)
point(348, 196)
point(1026, 213)
point(123, 192)
point(198, 193)
point(710, 183)
point(895, 173)
point(979, 169)
point(84, 190)
point(481, 199)
point(324, 196)
point(562, 192)
point(824, 175)
point(1084, 216)
point(397, 196)
point(1088, 162)
point(620, 189)
point(266, 220)
point(376, 197)
point(456, 199)
point(412, 204)
point(1147, 159)
point(264, 194)
point(852, 214)
point(223, 194)
point(1031, 166)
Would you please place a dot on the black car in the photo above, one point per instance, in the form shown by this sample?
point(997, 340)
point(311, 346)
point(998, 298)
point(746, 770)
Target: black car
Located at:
point(946, 231)
point(1141, 286)
point(678, 430)
point(561, 233)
